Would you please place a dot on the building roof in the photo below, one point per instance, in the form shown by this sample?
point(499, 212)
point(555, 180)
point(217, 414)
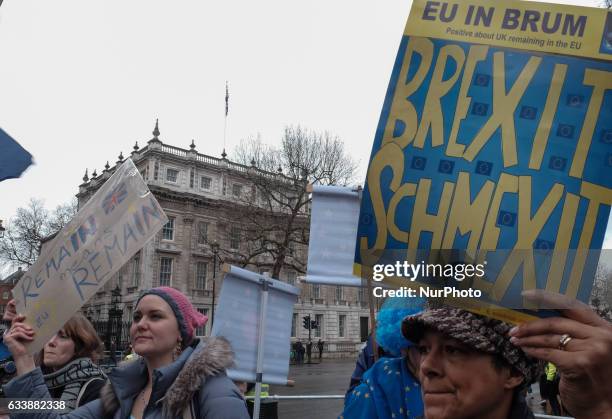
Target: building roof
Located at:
point(14, 277)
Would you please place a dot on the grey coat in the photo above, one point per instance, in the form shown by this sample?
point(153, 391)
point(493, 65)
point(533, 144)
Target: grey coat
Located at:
point(197, 376)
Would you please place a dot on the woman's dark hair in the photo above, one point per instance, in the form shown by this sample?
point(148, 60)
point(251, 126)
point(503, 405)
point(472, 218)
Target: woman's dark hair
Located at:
point(87, 343)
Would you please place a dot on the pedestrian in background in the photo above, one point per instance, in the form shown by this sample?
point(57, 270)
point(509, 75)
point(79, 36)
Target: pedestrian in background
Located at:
point(320, 345)
point(299, 349)
point(309, 350)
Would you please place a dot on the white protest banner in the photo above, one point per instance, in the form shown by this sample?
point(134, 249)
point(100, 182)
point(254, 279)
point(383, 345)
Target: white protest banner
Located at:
point(238, 318)
point(333, 230)
point(110, 228)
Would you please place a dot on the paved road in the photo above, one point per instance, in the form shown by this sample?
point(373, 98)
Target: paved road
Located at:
point(329, 377)
point(332, 377)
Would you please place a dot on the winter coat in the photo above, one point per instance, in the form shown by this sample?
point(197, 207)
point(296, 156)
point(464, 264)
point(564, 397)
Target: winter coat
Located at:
point(387, 390)
point(365, 360)
point(195, 381)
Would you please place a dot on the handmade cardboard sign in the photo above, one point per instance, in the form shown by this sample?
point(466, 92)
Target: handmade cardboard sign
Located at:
point(109, 229)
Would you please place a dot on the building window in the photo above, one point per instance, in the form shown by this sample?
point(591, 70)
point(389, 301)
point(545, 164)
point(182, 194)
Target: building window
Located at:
point(172, 175)
point(201, 331)
point(316, 291)
point(205, 182)
point(6, 295)
point(235, 237)
point(201, 273)
point(165, 272)
point(237, 190)
point(3, 307)
point(143, 173)
point(291, 275)
point(202, 232)
point(360, 295)
point(341, 325)
point(168, 229)
point(319, 329)
point(294, 325)
point(156, 170)
point(135, 271)
point(191, 177)
point(339, 293)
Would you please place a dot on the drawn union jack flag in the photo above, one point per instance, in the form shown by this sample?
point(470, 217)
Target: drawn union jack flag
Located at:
point(114, 198)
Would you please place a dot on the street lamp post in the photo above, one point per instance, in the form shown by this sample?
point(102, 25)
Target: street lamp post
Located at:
point(215, 249)
point(114, 322)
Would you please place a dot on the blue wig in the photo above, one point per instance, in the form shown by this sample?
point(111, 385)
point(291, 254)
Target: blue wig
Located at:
point(389, 322)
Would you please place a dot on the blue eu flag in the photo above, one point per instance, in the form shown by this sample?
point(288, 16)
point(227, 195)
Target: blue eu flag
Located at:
point(14, 159)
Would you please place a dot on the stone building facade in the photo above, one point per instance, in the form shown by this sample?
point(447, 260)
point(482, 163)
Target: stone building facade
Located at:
point(199, 194)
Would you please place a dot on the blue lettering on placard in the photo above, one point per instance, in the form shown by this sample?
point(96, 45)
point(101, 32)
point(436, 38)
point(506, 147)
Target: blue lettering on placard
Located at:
point(138, 223)
point(78, 283)
point(109, 248)
point(127, 233)
point(96, 268)
point(26, 284)
point(153, 211)
point(39, 281)
point(536, 21)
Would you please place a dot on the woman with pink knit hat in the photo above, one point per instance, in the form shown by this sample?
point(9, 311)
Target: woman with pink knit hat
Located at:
point(177, 376)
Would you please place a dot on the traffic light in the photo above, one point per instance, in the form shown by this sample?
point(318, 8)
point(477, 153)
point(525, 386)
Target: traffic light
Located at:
point(306, 322)
point(314, 324)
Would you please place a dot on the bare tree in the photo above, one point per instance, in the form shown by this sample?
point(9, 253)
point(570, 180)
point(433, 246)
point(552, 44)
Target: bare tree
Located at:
point(274, 214)
point(25, 232)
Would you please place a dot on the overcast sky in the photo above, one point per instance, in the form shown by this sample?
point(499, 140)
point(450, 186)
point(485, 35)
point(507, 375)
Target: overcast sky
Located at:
point(82, 81)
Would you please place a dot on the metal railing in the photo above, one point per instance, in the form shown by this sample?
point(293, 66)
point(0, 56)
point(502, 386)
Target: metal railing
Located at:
point(276, 397)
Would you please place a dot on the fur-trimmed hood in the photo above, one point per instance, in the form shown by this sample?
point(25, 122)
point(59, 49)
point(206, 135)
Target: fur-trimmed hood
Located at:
point(176, 383)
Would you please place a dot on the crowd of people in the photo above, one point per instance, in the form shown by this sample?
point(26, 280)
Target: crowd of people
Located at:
point(174, 375)
point(433, 362)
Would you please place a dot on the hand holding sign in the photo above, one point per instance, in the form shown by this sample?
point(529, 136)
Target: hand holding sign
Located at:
point(16, 340)
point(110, 228)
point(580, 345)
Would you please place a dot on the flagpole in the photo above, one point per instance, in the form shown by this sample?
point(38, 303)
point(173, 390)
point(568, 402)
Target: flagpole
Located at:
point(225, 123)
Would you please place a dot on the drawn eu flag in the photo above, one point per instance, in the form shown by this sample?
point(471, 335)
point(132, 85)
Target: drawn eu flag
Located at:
point(14, 159)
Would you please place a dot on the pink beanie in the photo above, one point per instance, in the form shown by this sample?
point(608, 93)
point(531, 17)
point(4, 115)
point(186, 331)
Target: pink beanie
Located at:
point(187, 316)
